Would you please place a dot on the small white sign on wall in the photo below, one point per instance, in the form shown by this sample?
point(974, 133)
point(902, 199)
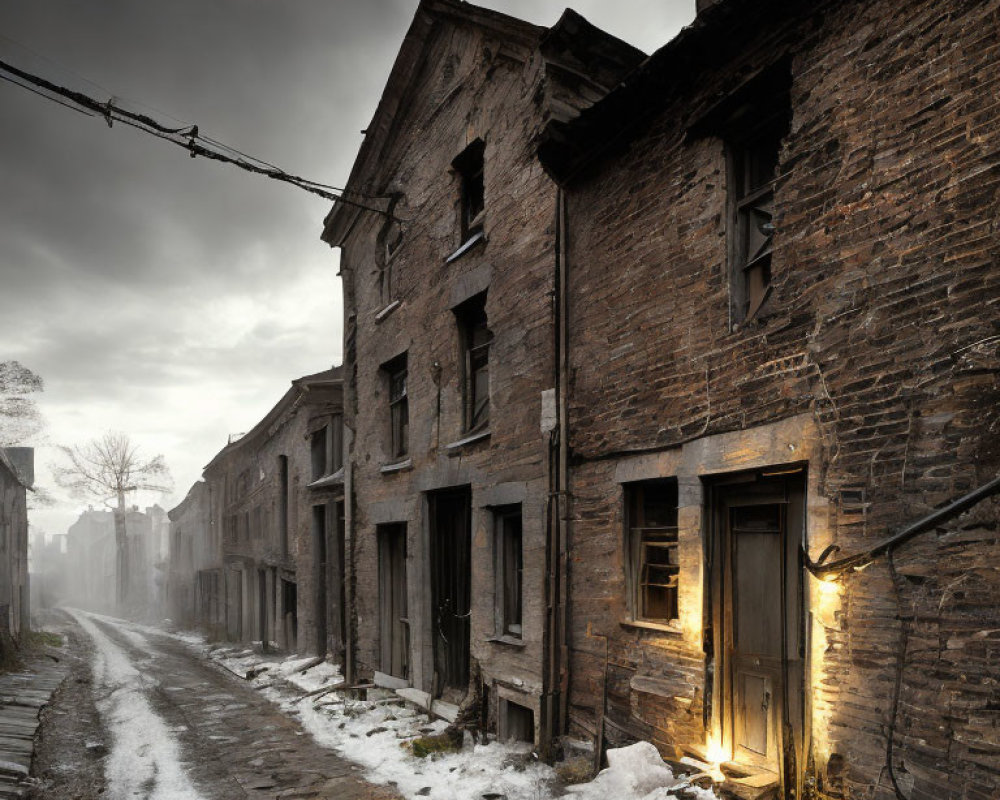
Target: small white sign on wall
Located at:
point(548, 410)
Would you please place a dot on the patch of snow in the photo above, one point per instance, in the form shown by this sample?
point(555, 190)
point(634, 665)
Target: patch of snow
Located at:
point(636, 771)
point(145, 756)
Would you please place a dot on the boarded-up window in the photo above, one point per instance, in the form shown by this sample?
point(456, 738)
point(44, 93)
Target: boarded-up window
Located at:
point(653, 566)
point(509, 570)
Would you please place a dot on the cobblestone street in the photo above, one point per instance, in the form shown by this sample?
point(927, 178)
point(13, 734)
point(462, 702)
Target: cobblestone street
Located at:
point(205, 735)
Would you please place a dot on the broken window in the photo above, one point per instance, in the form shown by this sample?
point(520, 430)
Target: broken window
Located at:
point(318, 448)
point(399, 413)
point(653, 566)
point(758, 120)
point(509, 568)
point(469, 166)
point(390, 239)
point(326, 445)
point(476, 339)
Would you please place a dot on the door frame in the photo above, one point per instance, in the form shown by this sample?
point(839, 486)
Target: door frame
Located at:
point(439, 682)
point(786, 485)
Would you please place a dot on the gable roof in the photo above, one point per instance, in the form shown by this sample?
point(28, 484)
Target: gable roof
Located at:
point(593, 59)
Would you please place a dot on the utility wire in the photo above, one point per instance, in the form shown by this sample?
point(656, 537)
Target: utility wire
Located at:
point(186, 136)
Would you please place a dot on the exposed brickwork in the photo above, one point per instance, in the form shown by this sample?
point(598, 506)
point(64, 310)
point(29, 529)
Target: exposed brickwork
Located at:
point(477, 75)
point(883, 329)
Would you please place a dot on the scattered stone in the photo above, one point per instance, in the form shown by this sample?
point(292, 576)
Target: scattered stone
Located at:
point(379, 729)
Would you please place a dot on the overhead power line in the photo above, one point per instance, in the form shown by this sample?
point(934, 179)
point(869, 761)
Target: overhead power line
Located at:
point(186, 136)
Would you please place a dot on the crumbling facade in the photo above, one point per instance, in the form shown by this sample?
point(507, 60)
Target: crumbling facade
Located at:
point(783, 288)
point(274, 498)
point(17, 475)
point(192, 596)
point(676, 419)
point(450, 361)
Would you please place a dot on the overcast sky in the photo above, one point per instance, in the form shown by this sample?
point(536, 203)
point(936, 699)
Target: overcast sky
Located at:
point(175, 298)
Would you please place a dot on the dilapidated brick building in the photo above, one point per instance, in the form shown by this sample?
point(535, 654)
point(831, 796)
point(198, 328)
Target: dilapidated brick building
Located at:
point(782, 299)
point(274, 509)
point(450, 359)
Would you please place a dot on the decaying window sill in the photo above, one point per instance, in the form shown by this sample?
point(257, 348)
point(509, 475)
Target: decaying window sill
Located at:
point(472, 438)
point(397, 466)
point(467, 245)
point(385, 312)
point(661, 627)
point(508, 641)
point(333, 479)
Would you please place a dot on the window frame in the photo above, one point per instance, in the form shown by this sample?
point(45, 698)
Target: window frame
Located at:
point(509, 595)
point(643, 539)
point(396, 372)
point(470, 165)
point(472, 319)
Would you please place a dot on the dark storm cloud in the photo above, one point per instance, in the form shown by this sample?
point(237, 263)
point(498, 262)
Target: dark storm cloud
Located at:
point(176, 298)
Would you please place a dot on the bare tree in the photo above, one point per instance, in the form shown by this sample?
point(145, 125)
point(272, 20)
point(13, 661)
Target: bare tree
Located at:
point(19, 416)
point(110, 468)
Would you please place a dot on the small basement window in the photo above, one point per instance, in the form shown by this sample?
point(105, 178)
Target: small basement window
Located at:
point(517, 722)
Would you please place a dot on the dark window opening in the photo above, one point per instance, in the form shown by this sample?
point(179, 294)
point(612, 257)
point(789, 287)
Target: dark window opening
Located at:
point(283, 503)
point(399, 412)
point(476, 339)
point(651, 509)
point(509, 570)
point(754, 131)
point(318, 448)
point(470, 168)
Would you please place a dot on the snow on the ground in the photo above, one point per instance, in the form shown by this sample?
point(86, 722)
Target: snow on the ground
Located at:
point(636, 771)
point(374, 733)
point(145, 757)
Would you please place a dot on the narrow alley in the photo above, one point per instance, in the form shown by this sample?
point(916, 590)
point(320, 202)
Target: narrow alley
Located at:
point(162, 722)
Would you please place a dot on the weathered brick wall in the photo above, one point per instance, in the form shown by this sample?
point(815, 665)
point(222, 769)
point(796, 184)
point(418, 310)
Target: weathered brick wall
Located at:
point(886, 325)
point(467, 89)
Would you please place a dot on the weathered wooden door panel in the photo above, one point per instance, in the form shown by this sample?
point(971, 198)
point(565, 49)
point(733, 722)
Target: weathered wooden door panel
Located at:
point(451, 552)
point(757, 525)
point(394, 640)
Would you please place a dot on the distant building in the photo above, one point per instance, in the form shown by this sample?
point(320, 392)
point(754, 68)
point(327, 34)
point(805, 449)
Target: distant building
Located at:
point(257, 550)
point(194, 563)
point(17, 476)
point(92, 554)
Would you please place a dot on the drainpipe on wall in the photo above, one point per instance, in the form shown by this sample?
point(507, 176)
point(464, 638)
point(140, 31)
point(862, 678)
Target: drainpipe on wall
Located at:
point(555, 669)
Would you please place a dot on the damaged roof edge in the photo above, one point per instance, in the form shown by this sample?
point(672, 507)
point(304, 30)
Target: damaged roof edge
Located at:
point(403, 75)
point(572, 42)
point(567, 147)
point(299, 387)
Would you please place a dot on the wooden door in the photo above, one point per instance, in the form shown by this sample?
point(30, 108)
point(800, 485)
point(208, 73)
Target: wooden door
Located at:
point(394, 645)
point(451, 551)
point(759, 520)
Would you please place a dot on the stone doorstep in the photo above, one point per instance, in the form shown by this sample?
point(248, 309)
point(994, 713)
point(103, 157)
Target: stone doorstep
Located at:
point(742, 780)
